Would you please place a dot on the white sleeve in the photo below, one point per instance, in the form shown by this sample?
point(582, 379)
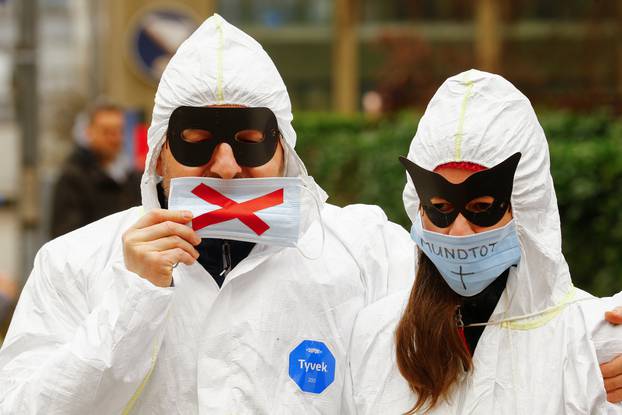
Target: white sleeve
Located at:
point(400, 251)
point(388, 258)
point(382, 249)
point(67, 354)
point(606, 337)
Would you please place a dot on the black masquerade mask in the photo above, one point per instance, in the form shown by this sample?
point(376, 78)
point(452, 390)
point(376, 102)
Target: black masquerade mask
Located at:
point(495, 182)
point(194, 132)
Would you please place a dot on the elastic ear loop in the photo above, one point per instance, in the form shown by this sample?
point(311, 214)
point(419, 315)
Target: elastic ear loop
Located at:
point(526, 316)
point(285, 154)
point(319, 213)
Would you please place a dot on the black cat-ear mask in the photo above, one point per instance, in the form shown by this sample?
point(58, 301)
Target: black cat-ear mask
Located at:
point(496, 182)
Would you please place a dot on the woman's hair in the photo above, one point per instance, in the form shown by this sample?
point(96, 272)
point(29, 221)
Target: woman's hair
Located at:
point(431, 355)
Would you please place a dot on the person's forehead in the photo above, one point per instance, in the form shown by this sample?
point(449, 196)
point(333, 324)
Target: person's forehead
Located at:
point(458, 171)
point(454, 175)
point(107, 115)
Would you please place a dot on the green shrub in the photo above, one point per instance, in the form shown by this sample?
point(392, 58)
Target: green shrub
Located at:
point(355, 160)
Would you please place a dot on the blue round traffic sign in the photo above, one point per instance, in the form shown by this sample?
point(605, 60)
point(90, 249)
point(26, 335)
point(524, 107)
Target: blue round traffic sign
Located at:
point(156, 35)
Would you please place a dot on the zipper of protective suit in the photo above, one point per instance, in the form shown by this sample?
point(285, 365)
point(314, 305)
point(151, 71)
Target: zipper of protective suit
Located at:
point(226, 258)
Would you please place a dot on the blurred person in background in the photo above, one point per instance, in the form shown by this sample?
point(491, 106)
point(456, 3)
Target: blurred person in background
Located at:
point(8, 297)
point(139, 312)
point(97, 179)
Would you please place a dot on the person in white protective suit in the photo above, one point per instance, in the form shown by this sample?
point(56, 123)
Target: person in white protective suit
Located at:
point(493, 324)
point(118, 317)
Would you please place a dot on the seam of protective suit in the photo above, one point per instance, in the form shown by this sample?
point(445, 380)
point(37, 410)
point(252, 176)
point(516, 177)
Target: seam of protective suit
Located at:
point(459, 132)
point(219, 64)
point(546, 315)
point(154, 357)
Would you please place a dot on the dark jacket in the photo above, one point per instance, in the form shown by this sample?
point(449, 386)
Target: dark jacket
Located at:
point(84, 193)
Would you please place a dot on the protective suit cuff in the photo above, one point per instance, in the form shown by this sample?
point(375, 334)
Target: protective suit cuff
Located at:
point(121, 331)
point(131, 280)
point(137, 299)
point(606, 337)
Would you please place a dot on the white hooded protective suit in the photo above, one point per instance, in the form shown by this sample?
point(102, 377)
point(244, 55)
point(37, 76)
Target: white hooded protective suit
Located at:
point(89, 336)
point(540, 352)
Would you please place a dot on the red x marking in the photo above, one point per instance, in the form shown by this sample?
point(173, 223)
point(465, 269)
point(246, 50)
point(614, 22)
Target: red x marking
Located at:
point(230, 209)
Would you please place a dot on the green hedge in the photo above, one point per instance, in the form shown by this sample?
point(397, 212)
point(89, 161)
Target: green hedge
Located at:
point(355, 160)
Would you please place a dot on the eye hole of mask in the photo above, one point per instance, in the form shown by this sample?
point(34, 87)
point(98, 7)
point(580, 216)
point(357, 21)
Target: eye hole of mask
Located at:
point(196, 136)
point(249, 136)
point(442, 205)
point(480, 204)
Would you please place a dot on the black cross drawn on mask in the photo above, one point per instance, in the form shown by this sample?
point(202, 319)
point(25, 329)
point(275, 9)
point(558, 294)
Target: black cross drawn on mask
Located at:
point(462, 274)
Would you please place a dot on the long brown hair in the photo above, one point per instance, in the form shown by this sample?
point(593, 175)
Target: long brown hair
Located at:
point(431, 355)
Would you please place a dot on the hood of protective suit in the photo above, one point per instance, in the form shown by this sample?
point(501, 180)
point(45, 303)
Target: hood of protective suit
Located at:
point(219, 64)
point(482, 118)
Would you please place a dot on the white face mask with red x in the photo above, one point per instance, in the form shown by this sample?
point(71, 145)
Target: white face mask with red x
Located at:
point(260, 210)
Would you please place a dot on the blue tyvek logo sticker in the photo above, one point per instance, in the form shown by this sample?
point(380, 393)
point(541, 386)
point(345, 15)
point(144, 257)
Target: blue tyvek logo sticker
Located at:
point(312, 366)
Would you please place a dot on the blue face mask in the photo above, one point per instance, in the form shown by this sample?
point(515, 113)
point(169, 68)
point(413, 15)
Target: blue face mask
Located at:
point(469, 263)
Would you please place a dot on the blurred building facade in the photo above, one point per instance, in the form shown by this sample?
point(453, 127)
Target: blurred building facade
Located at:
point(332, 52)
point(561, 53)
